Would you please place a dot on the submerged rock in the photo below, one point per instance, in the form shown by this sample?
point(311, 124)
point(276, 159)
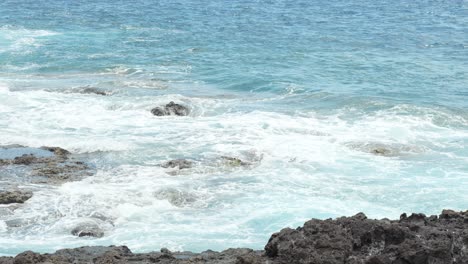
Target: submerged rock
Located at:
point(176, 197)
point(385, 150)
point(87, 230)
point(178, 163)
point(171, 109)
point(381, 151)
point(93, 90)
point(16, 196)
point(234, 162)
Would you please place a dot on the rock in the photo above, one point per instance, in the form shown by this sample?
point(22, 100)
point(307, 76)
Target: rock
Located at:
point(178, 163)
point(171, 109)
point(91, 254)
point(345, 240)
point(25, 159)
point(50, 165)
point(29, 257)
point(234, 162)
point(176, 197)
point(93, 90)
point(17, 196)
point(385, 149)
point(54, 172)
point(57, 151)
point(87, 230)
point(448, 214)
point(381, 152)
point(360, 240)
point(158, 111)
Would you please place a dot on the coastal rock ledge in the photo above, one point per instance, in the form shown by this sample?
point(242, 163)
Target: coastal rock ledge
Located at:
point(411, 239)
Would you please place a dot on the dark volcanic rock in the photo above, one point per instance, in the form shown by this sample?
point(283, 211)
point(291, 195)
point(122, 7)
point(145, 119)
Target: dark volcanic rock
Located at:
point(17, 196)
point(414, 239)
point(29, 257)
point(52, 165)
point(171, 109)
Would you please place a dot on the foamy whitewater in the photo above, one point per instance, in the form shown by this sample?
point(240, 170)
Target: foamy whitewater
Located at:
point(303, 90)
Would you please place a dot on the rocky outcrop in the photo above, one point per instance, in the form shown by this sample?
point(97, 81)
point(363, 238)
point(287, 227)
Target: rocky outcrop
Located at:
point(50, 165)
point(414, 239)
point(171, 109)
point(16, 196)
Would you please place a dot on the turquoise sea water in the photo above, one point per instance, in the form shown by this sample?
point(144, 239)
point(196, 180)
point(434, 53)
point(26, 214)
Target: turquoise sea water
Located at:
point(305, 90)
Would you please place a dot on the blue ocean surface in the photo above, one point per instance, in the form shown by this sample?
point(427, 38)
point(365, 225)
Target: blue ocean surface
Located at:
point(338, 106)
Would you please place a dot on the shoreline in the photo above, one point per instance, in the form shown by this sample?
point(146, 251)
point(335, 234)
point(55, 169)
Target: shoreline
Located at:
point(416, 238)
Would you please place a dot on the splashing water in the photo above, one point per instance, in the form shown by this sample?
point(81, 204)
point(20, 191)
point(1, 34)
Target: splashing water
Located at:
point(325, 109)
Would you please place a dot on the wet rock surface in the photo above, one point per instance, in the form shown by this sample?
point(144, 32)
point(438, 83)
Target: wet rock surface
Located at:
point(87, 230)
point(411, 239)
point(178, 164)
point(16, 196)
point(171, 109)
point(385, 150)
point(176, 197)
point(234, 162)
point(90, 90)
point(50, 165)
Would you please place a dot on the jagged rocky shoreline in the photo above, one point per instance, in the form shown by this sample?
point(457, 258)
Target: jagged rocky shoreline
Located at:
point(416, 238)
point(411, 239)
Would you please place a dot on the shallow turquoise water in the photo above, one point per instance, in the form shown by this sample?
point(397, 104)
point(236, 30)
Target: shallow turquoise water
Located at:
point(306, 90)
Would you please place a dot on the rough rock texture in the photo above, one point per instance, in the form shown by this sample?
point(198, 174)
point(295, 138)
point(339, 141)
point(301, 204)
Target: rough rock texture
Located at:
point(50, 165)
point(412, 239)
point(171, 109)
point(16, 196)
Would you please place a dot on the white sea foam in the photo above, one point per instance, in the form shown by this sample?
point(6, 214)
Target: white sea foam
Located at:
point(307, 165)
point(20, 39)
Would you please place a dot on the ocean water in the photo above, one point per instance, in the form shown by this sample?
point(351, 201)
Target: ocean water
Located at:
point(306, 91)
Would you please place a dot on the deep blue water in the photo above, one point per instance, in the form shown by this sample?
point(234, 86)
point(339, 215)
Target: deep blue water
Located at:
point(304, 89)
